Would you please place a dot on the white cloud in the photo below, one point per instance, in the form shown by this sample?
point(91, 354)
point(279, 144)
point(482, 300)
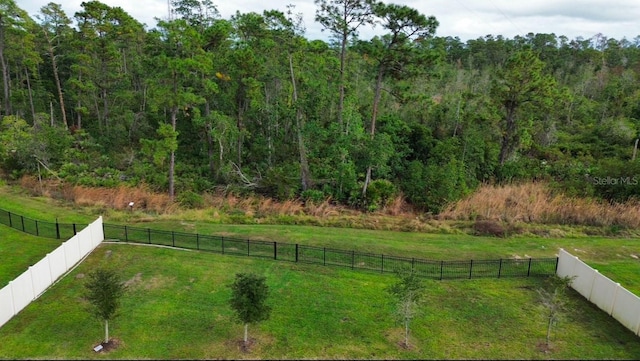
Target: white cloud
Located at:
point(467, 19)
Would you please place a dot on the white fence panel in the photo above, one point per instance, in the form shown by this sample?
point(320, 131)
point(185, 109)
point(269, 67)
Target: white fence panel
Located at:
point(584, 278)
point(84, 241)
point(41, 276)
point(22, 290)
point(603, 294)
point(32, 283)
point(72, 251)
point(57, 263)
point(97, 232)
point(6, 300)
point(566, 263)
point(627, 309)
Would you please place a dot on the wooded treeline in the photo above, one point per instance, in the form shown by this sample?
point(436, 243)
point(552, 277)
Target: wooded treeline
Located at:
point(199, 102)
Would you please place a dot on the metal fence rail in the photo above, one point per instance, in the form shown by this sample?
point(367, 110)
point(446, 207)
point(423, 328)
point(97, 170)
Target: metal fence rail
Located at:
point(40, 228)
point(527, 267)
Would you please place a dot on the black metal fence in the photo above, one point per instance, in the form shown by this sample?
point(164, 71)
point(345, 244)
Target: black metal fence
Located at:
point(524, 267)
point(509, 267)
point(40, 228)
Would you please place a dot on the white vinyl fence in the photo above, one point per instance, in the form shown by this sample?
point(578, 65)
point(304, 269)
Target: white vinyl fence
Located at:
point(33, 282)
point(612, 298)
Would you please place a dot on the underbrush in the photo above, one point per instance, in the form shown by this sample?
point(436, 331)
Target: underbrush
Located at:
point(537, 203)
point(491, 210)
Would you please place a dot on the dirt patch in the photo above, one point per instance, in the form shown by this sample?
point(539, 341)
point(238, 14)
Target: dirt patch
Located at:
point(544, 348)
point(158, 282)
point(396, 336)
point(134, 280)
point(112, 345)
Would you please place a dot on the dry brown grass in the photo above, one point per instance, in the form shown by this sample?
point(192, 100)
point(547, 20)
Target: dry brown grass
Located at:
point(114, 198)
point(535, 203)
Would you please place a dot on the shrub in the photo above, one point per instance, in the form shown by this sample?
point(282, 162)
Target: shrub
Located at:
point(189, 199)
point(379, 193)
point(488, 228)
point(313, 196)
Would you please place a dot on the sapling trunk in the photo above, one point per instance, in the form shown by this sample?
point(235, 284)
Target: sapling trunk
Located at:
point(246, 333)
point(406, 333)
point(106, 331)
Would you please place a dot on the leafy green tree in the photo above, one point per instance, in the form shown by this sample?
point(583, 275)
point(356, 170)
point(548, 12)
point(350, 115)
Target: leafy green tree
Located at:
point(103, 290)
point(249, 293)
point(519, 88)
point(343, 18)
point(408, 293)
point(394, 51)
point(56, 28)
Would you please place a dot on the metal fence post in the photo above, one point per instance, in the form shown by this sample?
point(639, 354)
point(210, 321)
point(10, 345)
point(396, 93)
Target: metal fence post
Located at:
point(10, 221)
point(22, 221)
point(222, 242)
point(382, 264)
point(149, 235)
point(556, 270)
point(248, 247)
point(126, 234)
point(529, 269)
point(57, 229)
point(500, 268)
point(198, 241)
point(441, 269)
point(296, 252)
point(324, 256)
point(353, 258)
point(470, 268)
point(74, 229)
point(173, 239)
point(37, 232)
point(275, 250)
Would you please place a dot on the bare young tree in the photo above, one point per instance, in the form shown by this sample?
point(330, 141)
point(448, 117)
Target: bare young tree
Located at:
point(408, 293)
point(554, 301)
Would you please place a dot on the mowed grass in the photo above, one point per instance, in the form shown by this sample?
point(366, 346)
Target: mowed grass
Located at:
point(177, 307)
point(19, 250)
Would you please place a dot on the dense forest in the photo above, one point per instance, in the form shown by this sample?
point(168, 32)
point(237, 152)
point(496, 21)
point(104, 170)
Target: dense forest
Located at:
point(249, 105)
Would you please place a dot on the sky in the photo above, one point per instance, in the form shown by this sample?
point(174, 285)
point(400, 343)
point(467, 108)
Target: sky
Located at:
point(466, 19)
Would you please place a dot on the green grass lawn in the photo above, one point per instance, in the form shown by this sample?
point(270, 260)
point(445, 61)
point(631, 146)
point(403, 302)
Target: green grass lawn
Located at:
point(177, 307)
point(19, 250)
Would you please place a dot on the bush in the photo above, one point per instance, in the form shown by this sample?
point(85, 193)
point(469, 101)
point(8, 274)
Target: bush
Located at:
point(313, 196)
point(189, 199)
point(379, 192)
point(488, 228)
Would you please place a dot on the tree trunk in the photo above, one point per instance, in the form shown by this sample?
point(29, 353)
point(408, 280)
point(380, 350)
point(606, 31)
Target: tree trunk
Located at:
point(343, 51)
point(56, 77)
point(172, 158)
point(406, 333)
point(507, 146)
point(30, 91)
point(549, 330)
point(304, 164)
point(106, 331)
point(208, 128)
point(374, 116)
point(5, 70)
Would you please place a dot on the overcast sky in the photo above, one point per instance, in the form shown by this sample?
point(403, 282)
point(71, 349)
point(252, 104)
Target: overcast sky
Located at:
point(466, 19)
